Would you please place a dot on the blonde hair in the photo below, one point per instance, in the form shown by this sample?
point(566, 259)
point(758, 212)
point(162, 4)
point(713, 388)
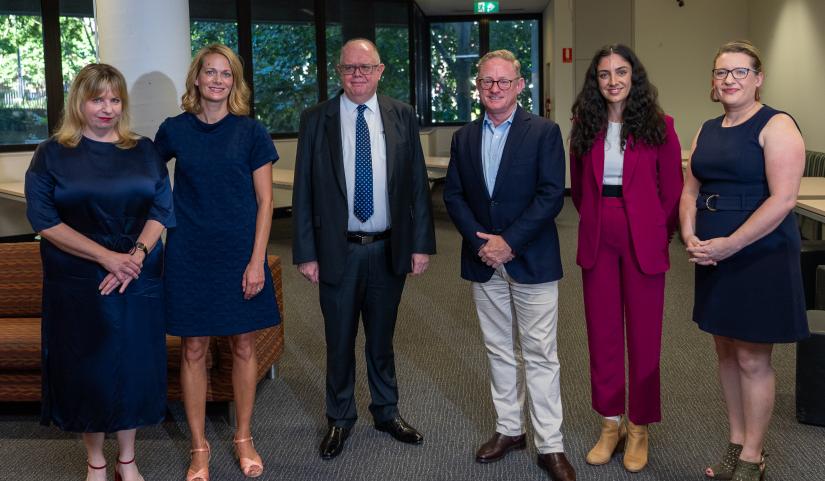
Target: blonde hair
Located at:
point(92, 81)
point(502, 54)
point(238, 102)
point(739, 46)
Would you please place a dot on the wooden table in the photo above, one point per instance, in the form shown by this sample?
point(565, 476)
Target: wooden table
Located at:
point(282, 178)
point(13, 191)
point(811, 208)
point(811, 188)
point(436, 168)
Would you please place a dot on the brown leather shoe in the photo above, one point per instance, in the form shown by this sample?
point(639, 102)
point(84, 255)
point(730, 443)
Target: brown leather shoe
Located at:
point(498, 446)
point(557, 467)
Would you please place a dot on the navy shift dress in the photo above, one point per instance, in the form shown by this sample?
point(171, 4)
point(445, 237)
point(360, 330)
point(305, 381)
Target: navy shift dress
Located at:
point(215, 205)
point(755, 295)
point(103, 357)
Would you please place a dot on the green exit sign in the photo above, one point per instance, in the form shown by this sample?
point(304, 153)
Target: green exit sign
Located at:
point(486, 7)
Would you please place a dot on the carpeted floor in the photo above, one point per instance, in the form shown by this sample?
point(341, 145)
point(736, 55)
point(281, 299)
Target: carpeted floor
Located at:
point(443, 376)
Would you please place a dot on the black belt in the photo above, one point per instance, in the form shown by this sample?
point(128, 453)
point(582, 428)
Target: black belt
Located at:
point(611, 190)
point(364, 238)
point(714, 202)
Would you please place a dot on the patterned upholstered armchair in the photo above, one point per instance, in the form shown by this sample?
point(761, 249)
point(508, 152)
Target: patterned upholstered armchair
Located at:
point(21, 277)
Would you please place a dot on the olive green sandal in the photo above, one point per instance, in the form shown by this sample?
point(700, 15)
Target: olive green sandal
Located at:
point(747, 471)
point(725, 468)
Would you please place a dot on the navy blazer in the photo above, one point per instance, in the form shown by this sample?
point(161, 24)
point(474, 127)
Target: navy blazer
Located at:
point(527, 197)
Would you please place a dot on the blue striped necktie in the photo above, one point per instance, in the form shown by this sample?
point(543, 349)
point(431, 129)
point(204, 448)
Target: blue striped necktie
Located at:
point(362, 203)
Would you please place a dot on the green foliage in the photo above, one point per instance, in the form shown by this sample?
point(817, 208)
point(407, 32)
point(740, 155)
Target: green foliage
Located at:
point(393, 43)
point(454, 53)
point(285, 73)
point(206, 33)
point(78, 42)
point(454, 50)
point(23, 38)
point(22, 71)
point(521, 37)
point(334, 44)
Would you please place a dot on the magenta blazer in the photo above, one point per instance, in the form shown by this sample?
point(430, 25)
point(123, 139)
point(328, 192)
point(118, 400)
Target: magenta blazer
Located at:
point(651, 186)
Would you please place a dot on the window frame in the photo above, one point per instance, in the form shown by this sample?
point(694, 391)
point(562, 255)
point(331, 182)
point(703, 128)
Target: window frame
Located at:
point(483, 47)
point(419, 71)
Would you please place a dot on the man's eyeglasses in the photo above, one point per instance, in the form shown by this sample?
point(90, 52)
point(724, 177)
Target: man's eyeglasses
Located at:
point(503, 84)
point(365, 69)
point(738, 73)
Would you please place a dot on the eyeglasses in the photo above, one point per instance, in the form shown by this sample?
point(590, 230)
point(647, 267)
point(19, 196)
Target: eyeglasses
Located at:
point(503, 84)
point(365, 69)
point(738, 73)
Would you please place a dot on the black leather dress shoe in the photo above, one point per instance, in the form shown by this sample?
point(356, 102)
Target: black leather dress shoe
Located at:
point(333, 442)
point(557, 467)
point(498, 446)
point(400, 430)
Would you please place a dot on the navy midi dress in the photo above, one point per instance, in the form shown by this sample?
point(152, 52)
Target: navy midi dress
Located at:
point(103, 357)
point(216, 208)
point(756, 294)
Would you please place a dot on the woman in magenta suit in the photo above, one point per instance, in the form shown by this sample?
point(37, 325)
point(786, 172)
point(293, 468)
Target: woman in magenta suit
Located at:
point(626, 179)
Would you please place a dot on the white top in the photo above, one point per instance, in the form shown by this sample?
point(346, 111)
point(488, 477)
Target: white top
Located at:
point(380, 219)
point(613, 155)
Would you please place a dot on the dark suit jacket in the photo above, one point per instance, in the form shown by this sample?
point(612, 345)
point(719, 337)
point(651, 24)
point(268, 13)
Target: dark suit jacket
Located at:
point(319, 195)
point(528, 194)
point(651, 188)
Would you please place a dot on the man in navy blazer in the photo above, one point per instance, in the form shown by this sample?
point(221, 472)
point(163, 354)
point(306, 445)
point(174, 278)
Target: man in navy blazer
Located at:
point(504, 188)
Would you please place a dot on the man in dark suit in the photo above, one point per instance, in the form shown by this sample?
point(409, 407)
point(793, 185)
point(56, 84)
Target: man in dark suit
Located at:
point(362, 221)
point(504, 188)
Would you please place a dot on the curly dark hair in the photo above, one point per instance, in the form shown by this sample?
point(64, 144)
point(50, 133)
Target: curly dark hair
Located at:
point(643, 117)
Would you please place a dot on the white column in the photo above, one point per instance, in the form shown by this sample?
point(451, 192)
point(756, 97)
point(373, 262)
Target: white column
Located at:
point(149, 42)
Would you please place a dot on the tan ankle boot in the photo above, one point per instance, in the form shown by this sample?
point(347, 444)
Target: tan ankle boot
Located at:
point(609, 442)
point(635, 452)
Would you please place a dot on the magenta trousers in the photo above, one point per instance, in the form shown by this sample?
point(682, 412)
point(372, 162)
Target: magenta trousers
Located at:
point(620, 299)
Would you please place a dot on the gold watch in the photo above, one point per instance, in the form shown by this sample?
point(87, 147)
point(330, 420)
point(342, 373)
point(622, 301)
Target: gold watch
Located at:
point(140, 246)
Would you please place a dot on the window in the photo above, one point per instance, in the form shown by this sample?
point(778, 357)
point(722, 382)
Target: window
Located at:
point(456, 46)
point(392, 37)
point(334, 41)
point(212, 21)
point(78, 38)
point(522, 38)
point(22, 76)
point(285, 62)
point(454, 51)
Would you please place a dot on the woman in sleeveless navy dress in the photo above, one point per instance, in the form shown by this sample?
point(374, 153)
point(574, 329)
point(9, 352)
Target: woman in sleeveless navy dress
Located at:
point(217, 280)
point(99, 196)
point(737, 224)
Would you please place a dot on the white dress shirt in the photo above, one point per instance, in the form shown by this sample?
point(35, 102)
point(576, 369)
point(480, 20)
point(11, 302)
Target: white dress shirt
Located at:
point(613, 155)
point(380, 219)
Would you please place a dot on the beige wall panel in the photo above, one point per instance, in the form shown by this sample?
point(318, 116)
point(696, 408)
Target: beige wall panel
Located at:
point(791, 37)
point(677, 46)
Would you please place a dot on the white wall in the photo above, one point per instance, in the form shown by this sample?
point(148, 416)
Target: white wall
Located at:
point(562, 74)
point(677, 45)
point(790, 35)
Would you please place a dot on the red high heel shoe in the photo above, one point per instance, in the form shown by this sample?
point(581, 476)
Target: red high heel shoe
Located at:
point(94, 467)
point(118, 476)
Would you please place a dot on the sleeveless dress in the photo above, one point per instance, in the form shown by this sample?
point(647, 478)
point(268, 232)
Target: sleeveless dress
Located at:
point(209, 249)
point(755, 295)
point(103, 357)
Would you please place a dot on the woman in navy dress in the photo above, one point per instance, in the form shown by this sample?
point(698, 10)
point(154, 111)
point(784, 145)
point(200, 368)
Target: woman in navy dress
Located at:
point(737, 224)
point(217, 280)
point(99, 196)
